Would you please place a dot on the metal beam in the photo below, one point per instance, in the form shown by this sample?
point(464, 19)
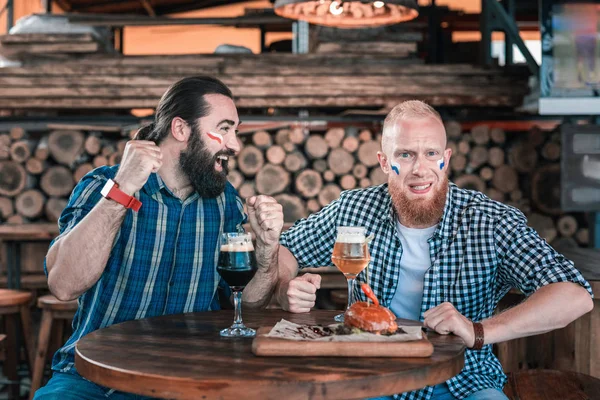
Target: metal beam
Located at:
point(47, 6)
point(508, 42)
point(496, 18)
point(148, 8)
point(596, 231)
point(117, 21)
point(9, 14)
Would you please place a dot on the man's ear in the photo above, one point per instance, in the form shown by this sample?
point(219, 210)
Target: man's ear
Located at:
point(383, 162)
point(447, 155)
point(180, 130)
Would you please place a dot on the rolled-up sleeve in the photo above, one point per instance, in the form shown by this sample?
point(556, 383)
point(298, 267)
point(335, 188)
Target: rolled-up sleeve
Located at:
point(84, 197)
point(311, 239)
point(528, 262)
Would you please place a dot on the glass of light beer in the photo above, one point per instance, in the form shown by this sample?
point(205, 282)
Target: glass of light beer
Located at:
point(237, 266)
point(351, 256)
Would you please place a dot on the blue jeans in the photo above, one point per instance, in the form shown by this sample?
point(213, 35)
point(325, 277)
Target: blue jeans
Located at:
point(65, 386)
point(441, 392)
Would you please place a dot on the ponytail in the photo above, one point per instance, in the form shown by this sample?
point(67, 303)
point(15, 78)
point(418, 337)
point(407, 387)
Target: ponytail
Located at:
point(145, 132)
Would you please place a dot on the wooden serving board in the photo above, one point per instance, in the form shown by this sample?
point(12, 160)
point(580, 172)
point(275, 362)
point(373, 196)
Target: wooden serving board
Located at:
point(266, 346)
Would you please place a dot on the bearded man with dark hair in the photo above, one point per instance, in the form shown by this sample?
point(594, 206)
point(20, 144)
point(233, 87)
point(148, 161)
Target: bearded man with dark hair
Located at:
point(141, 239)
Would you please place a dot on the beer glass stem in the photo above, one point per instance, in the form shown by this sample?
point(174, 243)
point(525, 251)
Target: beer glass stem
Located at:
point(350, 287)
point(237, 303)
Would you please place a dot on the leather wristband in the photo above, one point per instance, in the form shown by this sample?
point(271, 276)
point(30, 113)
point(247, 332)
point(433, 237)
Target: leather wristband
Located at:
point(478, 330)
point(111, 191)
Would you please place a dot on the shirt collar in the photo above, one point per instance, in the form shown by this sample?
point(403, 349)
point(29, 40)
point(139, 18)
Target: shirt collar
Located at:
point(153, 184)
point(445, 228)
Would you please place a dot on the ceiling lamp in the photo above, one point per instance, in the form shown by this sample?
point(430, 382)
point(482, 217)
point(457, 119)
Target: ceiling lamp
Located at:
point(349, 13)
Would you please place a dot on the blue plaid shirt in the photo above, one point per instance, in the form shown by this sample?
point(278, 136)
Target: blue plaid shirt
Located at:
point(479, 251)
point(163, 259)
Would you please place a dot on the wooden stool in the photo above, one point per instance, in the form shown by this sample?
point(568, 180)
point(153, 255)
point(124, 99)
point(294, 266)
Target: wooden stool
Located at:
point(52, 309)
point(547, 384)
point(12, 304)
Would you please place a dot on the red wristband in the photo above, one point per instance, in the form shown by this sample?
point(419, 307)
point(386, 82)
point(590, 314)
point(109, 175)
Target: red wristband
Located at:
point(111, 191)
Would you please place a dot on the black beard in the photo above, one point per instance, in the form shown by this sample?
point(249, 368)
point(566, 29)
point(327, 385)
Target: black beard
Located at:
point(199, 167)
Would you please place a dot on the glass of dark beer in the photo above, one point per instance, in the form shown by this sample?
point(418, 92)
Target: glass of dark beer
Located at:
point(237, 266)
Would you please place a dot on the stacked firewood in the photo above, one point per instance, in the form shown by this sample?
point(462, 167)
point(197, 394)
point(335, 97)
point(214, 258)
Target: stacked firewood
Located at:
point(306, 169)
point(303, 166)
point(38, 171)
point(521, 169)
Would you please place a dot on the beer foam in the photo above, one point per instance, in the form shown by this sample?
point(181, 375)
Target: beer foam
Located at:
point(350, 238)
point(238, 247)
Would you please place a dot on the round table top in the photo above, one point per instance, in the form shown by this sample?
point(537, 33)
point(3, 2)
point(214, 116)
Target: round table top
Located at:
point(183, 357)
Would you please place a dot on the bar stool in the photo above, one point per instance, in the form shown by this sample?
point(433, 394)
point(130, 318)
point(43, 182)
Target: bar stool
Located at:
point(52, 310)
point(12, 304)
point(545, 384)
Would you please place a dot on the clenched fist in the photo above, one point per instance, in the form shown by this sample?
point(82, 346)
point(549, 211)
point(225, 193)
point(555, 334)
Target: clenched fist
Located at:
point(445, 319)
point(140, 159)
point(266, 219)
point(302, 293)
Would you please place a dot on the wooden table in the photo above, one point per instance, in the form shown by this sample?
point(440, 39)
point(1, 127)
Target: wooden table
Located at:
point(183, 357)
point(13, 236)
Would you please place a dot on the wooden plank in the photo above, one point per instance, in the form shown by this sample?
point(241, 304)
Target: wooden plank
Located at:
point(112, 60)
point(398, 49)
point(42, 231)
point(264, 102)
point(73, 71)
point(267, 346)
point(51, 48)
point(101, 79)
point(250, 64)
point(90, 80)
point(27, 38)
point(85, 127)
point(365, 89)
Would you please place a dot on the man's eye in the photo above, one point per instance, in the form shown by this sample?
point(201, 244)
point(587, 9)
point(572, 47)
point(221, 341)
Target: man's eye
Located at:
point(431, 154)
point(404, 155)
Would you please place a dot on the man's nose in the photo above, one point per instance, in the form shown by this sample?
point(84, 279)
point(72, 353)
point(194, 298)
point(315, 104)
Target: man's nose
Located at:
point(416, 170)
point(232, 143)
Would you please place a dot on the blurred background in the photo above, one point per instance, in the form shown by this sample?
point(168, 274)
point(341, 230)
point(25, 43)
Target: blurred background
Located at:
point(515, 82)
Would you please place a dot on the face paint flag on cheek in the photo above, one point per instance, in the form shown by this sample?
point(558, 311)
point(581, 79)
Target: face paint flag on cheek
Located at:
point(441, 163)
point(215, 136)
point(396, 168)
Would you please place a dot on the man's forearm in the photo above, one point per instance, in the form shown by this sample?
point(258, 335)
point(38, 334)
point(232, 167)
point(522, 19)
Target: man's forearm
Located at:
point(552, 307)
point(257, 293)
point(77, 260)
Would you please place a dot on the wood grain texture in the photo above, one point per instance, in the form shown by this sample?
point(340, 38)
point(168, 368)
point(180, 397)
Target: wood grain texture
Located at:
point(549, 384)
point(267, 346)
point(183, 357)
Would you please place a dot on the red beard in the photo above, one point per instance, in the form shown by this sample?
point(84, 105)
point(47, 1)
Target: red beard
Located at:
point(419, 213)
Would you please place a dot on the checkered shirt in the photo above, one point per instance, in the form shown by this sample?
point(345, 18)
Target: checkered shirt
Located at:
point(479, 251)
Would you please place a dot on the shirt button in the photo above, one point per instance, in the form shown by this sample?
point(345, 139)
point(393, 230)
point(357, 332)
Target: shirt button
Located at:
point(171, 283)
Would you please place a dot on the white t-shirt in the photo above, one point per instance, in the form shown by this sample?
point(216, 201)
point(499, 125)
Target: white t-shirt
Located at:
point(415, 261)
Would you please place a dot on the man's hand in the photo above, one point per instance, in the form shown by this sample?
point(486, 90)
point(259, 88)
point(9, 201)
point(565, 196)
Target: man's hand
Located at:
point(266, 219)
point(302, 293)
point(444, 319)
point(140, 159)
